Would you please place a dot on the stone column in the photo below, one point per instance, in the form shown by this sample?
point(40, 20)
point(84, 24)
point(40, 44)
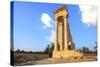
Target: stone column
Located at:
point(61, 36)
point(56, 36)
point(65, 33)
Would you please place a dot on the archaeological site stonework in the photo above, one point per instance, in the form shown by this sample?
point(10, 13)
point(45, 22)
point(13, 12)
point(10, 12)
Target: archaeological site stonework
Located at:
point(64, 46)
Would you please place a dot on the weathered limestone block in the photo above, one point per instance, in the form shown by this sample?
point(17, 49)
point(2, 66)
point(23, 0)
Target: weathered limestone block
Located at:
point(67, 54)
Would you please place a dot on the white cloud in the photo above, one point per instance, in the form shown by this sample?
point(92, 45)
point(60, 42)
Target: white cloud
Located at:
point(89, 14)
point(51, 37)
point(46, 20)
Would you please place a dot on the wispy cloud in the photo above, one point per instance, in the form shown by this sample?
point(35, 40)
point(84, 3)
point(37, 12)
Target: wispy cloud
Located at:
point(51, 37)
point(46, 20)
point(89, 14)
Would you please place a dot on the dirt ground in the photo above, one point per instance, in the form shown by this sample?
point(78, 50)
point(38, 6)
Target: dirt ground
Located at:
point(67, 60)
point(32, 59)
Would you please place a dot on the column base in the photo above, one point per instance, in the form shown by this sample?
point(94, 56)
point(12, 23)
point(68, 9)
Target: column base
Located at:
point(66, 54)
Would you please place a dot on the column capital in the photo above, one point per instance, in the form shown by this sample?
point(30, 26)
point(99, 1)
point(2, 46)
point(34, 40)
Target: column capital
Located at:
point(55, 18)
point(65, 16)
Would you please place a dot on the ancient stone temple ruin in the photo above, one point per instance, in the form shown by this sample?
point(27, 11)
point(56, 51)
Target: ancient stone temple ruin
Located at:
point(64, 46)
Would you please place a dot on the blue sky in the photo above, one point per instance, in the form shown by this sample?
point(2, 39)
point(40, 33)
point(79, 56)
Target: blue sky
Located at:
point(33, 32)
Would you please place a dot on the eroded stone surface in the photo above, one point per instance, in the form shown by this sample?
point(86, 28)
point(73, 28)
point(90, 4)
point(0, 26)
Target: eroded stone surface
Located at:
point(63, 36)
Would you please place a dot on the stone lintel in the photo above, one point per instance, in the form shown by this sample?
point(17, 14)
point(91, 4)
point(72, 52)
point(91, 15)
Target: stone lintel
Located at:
point(60, 9)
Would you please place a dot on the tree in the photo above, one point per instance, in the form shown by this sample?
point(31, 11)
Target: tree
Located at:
point(22, 51)
point(18, 50)
point(49, 49)
point(85, 49)
point(95, 48)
